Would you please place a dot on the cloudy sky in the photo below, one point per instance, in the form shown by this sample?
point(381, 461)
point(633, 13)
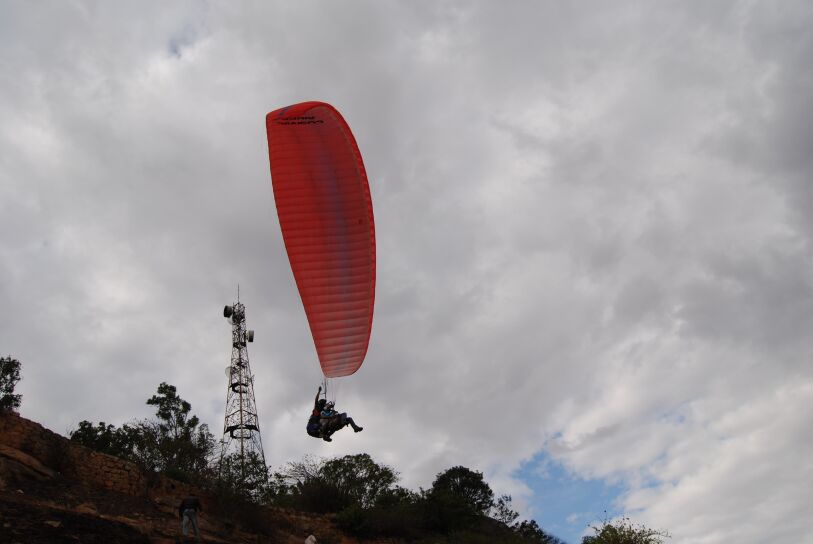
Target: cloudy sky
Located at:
point(593, 224)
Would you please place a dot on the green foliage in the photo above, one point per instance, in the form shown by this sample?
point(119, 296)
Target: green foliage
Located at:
point(484, 530)
point(532, 533)
point(459, 507)
point(9, 376)
point(466, 487)
point(172, 412)
point(141, 438)
point(175, 444)
point(104, 438)
point(358, 479)
point(333, 485)
point(461, 504)
point(398, 513)
point(445, 511)
point(354, 521)
point(247, 478)
point(396, 496)
point(623, 531)
point(299, 486)
point(183, 445)
point(501, 510)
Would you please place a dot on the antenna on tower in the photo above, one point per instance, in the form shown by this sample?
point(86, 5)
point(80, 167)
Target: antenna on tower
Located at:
point(242, 447)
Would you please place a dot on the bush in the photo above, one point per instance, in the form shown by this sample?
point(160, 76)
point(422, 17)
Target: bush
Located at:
point(334, 485)
point(397, 521)
point(175, 444)
point(459, 507)
point(320, 497)
point(353, 521)
point(403, 521)
point(623, 531)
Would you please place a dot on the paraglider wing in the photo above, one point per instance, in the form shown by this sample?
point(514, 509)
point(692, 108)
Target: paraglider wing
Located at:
point(326, 215)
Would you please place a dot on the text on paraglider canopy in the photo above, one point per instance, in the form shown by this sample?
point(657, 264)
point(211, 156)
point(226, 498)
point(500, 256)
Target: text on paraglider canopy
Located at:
point(300, 120)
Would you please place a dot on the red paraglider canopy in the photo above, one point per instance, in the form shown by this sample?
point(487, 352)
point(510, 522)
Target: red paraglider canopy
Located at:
point(326, 215)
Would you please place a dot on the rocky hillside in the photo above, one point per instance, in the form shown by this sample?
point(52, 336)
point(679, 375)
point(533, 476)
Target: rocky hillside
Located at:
point(55, 491)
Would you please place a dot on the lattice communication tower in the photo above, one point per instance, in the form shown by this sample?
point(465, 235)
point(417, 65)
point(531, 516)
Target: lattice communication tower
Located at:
point(241, 427)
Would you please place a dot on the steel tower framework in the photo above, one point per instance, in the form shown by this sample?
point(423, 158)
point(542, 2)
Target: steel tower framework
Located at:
point(241, 426)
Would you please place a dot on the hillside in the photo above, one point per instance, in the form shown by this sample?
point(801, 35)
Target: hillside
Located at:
point(55, 491)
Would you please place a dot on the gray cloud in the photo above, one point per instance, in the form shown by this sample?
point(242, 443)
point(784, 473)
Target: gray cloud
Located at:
point(595, 214)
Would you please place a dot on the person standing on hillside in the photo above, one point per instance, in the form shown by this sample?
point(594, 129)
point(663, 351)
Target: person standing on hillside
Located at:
point(188, 512)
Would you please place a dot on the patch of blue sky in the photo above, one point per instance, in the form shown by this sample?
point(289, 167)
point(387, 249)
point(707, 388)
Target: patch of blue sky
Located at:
point(563, 503)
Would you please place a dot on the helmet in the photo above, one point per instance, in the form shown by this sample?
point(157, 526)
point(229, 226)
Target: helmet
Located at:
point(321, 403)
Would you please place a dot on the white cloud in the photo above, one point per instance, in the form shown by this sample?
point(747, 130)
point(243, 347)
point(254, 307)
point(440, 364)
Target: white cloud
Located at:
point(592, 228)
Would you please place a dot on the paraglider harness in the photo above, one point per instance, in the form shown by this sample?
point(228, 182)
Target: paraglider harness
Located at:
point(314, 428)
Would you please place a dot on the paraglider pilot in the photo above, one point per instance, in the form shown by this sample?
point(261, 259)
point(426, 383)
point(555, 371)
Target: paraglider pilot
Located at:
point(314, 427)
point(325, 420)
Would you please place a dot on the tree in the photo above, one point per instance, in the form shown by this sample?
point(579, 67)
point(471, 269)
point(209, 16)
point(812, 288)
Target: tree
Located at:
point(9, 376)
point(303, 487)
point(247, 478)
point(531, 532)
point(466, 485)
point(502, 511)
point(184, 445)
point(335, 484)
point(172, 412)
point(397, 496)
point(623, 531)
point(458, 498)
point(358, 478)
